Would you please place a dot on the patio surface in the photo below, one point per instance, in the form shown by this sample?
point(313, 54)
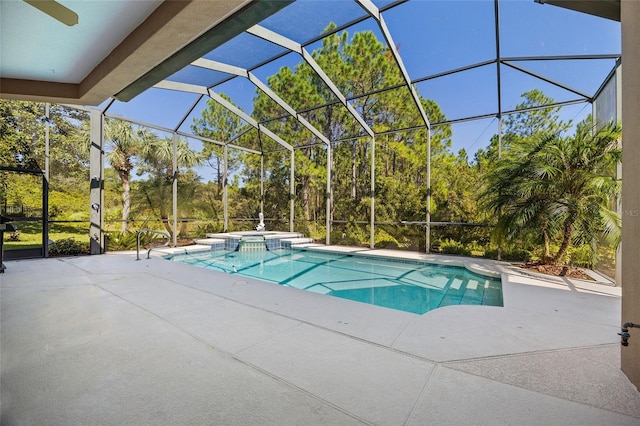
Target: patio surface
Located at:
point(114, 341)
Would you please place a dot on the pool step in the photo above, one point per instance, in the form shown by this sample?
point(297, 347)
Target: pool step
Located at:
point(210, 241)
point(270, 240)
point(252, 243)
point(290, 242)
point(470, 291)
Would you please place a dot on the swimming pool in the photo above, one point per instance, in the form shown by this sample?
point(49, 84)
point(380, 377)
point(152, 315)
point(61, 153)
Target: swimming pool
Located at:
point(410, 286)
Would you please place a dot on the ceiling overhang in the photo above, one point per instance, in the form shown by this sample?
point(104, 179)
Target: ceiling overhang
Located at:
point(609, 9)
point(171, 37)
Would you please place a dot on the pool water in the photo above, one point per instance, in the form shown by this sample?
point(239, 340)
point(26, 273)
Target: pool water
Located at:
point(409, 286)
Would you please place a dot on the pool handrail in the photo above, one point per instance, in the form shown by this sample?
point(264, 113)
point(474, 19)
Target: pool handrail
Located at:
point(163, 233)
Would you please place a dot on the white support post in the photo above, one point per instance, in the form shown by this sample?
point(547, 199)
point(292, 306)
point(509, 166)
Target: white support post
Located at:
point(225, 193)
point(45, 185)
point(103, 243)
point(499, 156)
point(292, 193)
point(428, 227)
point(499, 136)
point(47, 114)
point(96, 171)
point(328, 196)
point(262, 183)
point(373, 191)
point(175, 189)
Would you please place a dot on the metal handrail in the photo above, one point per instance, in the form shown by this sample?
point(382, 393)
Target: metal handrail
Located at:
point(163, 233)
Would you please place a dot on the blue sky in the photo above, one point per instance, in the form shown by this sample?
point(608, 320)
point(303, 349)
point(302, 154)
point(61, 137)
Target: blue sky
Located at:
point(432, 36)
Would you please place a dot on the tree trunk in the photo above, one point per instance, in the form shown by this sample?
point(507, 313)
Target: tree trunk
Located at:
point(168, 226)
point(547, 249)
point(546, 258)
point(354, 173)
point(164, 213)
point(126, 201)
point(306, 199)
point(566, 239)
point(219, 176)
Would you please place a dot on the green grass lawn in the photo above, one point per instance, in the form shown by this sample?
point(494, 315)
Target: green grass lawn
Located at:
point(30, 234)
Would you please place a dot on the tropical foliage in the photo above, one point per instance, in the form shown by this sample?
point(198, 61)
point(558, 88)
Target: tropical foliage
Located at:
point(558, 188)
point(543, 188)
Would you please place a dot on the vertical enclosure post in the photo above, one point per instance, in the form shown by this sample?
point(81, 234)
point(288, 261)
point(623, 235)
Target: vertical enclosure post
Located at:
point(499, 156)
point(499, 136)
point(372, 242)
point(328, 201)
point(428, 219)
point(174, 165)
point(262, 183)
point(292, 194)
point(225, 194)
point(96, 171)
point(496, 11)
point(45, 185)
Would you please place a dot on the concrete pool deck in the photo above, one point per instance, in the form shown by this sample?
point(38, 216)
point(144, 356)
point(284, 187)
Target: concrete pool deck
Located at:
point(110, 340)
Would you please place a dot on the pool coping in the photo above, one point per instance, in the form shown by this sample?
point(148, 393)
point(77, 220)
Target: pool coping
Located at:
point(487, 267)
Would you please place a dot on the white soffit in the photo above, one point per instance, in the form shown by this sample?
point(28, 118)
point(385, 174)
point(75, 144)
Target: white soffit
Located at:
point(35, 46)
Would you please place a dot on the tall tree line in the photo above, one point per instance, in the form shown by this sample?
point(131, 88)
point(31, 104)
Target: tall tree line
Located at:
point(535, 155)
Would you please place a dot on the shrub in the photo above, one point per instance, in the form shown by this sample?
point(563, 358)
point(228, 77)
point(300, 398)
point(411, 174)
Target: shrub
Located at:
point(454, 247)
point(519, 255)
point(317, 232)
point(383, 239)
point(357, 233)
point(68, 247)
point(583, 256)
point(341, 237)
point(205, 228)
point(554, 249)
point(512, 254)
point(128, 240)
point(121, 241)
point(15, 235)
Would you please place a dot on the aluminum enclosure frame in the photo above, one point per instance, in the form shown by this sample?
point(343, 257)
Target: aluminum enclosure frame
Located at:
point(371, 11)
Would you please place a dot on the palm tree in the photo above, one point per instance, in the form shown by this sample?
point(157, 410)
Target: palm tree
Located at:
point(157, 157)
point(582, 170)
point(125, 143)
point(560, 188)
point(517, 194)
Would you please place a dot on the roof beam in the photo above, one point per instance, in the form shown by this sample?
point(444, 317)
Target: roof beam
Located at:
point(237, 111)
point(373, 10)
point(219, 66)
point(138, 122)
point(282, 41)
point(561, 57)
point(202, 138)
point(167, 130)
point(545, 79)
point(181, 87)
point(192, 88)
point(230, 69)
point(231, 25)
